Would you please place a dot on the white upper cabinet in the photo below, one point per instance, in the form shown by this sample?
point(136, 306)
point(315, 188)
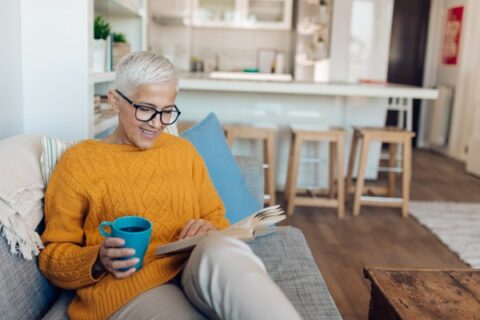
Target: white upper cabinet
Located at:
point(268, 14)
point(249, 14)
point(216, 13)
point(120, 8)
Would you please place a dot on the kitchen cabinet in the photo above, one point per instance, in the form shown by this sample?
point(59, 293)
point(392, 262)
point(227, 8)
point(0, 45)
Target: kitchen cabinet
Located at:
point(268, 14)
point(243, 14)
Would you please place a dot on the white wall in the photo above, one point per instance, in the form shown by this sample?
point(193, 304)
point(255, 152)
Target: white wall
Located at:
point(467, 83)
point(434, 73)
point(236, 49)
point(473, 157)
point(55, 97)
point(11, 109)
point(44, 72)
point(360, 39)
point(462, 77)
point(471, 87)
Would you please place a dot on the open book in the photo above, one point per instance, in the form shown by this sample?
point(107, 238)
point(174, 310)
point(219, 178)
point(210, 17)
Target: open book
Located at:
point(258, 224)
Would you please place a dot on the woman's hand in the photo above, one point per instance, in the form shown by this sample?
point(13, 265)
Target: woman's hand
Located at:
point(196, 227)
point(110, 251)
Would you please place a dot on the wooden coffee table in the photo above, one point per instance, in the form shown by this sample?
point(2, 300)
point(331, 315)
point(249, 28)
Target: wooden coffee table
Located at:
point(424, 294)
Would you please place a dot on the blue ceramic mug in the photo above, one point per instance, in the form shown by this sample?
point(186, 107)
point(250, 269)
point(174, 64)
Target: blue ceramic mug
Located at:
point(136, 231)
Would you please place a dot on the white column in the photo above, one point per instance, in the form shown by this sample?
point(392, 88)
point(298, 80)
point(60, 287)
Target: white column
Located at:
point(360, 39)
point(54, 40)
point(339, 50)
point(430, 71)
point(461, 127)
point(472, 130)
point(11, 107)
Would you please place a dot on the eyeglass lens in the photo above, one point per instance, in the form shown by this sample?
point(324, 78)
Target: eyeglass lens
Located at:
point(168, 116)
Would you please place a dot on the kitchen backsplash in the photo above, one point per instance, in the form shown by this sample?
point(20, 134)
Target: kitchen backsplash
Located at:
point(232, 49)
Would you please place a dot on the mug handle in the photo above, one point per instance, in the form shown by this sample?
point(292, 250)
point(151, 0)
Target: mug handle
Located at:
point(102, 228)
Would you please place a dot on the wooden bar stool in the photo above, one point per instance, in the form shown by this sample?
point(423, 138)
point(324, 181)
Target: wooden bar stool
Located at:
point(394, 137)
point(336, 140)
point(267, 136)
point(184, 125)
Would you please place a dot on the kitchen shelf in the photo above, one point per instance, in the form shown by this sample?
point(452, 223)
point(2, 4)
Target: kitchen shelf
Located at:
point(119, 8)
point(250, 76)
point(240, 13)
point(128, 17)
point(102, 77)
point(170, 20)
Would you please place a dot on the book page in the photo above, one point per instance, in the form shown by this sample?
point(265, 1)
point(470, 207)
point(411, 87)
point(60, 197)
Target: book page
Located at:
point(246, 229)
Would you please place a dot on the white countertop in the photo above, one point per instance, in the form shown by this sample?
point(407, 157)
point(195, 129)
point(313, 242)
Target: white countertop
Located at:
point(201, 82)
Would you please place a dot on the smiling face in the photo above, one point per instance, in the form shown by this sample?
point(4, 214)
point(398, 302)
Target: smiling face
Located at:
point(132, 131)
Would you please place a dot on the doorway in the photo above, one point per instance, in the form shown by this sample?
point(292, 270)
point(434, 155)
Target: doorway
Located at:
point(408, 43)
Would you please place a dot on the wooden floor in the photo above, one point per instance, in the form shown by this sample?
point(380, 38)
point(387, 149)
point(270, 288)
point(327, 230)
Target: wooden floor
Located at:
point(381, 237)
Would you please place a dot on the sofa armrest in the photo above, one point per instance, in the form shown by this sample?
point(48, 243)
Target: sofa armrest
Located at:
point(290, 264)
point(25, 293)
point(252, 170)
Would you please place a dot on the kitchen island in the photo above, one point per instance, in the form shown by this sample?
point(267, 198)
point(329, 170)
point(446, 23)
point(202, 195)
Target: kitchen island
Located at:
point(282, 104)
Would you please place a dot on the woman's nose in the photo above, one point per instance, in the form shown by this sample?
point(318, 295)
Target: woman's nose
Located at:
point(156, 122)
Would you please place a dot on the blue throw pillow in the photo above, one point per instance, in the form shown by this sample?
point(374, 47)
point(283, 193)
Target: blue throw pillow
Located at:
point(208, 138)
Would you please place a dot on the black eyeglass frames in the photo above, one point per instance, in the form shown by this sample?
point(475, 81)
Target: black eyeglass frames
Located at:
point(145, 113)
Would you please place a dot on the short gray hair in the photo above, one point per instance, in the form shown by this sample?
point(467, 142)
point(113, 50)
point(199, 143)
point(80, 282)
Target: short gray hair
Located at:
point(143, 67)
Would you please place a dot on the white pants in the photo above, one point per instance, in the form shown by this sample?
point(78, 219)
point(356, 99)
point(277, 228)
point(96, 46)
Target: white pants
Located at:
point(223, 279)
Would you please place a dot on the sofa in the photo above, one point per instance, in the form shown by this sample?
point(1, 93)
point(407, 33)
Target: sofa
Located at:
point(26, 294)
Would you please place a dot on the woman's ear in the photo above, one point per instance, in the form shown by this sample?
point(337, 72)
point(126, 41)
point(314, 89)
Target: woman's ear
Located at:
point(113, 100)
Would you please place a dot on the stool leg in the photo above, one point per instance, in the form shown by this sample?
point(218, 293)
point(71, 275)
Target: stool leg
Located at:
point(340, 177)
point(392, 162)
point(289, 166)
point(351, 163)
point(407, 175)
point(331, 171)
point(292, 173)
point(229, 134)
point(269, 158)
point(361, 175)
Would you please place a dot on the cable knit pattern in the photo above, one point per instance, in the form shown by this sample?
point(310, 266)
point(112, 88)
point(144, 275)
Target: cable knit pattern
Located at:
point(95, 181)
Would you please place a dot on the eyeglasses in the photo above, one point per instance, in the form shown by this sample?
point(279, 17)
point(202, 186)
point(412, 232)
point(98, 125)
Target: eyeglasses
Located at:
point(145, 113)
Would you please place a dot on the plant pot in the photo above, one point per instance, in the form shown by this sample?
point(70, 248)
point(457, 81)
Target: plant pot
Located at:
point(120, 50)
point(99, 55)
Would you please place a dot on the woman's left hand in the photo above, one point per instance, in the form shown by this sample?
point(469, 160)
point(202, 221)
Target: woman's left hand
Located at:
point(196, 227)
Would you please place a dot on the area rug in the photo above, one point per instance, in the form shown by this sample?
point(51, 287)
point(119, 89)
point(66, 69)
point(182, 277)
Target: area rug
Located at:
point(457, 224)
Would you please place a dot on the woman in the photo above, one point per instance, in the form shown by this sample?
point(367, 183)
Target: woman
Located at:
point(139, 170)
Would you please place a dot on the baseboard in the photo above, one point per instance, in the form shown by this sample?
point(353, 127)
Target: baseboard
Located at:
point(473, 157)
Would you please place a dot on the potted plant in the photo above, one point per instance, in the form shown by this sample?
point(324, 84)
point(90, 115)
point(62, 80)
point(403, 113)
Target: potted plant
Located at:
point(120, 48)
point(101, 30)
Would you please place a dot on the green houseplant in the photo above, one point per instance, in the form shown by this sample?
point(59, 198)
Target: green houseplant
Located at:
point(101, 28)
point(119, 37)
point(101, 31)
point(120, 48)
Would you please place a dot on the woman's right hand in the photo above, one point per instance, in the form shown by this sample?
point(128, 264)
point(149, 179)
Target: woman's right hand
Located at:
point(108, 258)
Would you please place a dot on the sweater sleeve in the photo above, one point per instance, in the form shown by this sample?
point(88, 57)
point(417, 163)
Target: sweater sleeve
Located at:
point(211, 205)
point(66, 260)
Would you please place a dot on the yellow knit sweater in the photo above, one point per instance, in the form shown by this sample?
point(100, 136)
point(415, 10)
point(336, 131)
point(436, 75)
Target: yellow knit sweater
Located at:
point(95, 181)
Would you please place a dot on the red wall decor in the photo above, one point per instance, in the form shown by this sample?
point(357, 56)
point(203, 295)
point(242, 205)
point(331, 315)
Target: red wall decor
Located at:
point(451, 36)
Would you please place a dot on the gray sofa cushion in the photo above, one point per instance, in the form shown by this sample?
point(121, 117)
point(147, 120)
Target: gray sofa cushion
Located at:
point(24, 292)
point(290, 264)
point(59, 310)
point(252, 171)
